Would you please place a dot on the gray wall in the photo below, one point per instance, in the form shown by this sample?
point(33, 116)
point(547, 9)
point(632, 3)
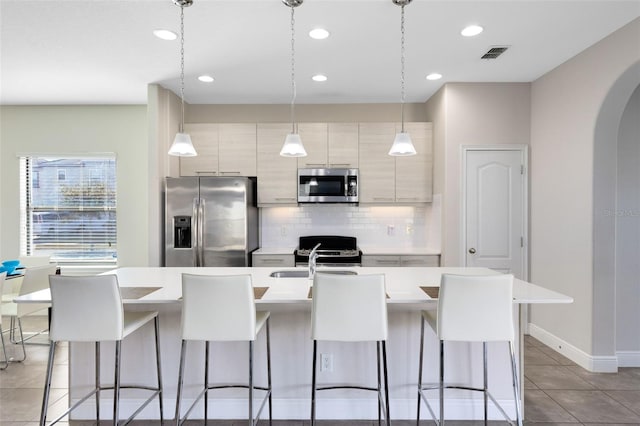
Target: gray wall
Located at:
point(76, 130)
point(575, 114)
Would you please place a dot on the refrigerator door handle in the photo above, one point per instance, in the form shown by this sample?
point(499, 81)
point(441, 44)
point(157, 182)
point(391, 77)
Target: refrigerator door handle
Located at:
point(195, 225)
point(201, 232)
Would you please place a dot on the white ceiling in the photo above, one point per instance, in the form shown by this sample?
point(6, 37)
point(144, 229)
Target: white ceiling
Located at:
point(103, 52)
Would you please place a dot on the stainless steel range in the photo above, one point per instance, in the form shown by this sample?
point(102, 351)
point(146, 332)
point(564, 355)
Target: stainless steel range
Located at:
point(333, 251)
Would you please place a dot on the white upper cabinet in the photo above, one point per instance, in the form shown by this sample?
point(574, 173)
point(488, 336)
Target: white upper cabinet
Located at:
point(237, 149)
point(343, 145)
point(399, 180)
point(414, 174)
point(332, 145)
point(377, 176)
point(226, 149)
point(204, 137)
point(276, 175)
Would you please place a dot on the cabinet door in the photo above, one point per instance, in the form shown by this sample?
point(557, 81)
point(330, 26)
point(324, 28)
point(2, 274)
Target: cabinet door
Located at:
point(314, 139)
point(414, 173)
point(276, 175)
point(380, 260)
point(377, 168)
point(343, 145)
point(237, 149)
point(205, 140)
point(282, 260)
point(432, 260)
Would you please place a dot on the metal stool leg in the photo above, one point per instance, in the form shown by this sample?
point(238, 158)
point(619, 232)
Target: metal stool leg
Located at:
point(97, 361)
point(379, 383)
point(183, 352)
point(386, 381)
point(269, 371)
point(516, 386)
point(441, 387)
point(159, 368)
point(486, 382)
point(116, 385)
point(251, 422)
point(420, 368)
point(47, 384)
point(313, 384)
point(4, 350)
point(206, 381)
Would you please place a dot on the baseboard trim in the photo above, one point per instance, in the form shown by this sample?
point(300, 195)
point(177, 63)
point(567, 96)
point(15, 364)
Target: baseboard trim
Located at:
point(596, 364)
point(628, 358)
point(299, 409)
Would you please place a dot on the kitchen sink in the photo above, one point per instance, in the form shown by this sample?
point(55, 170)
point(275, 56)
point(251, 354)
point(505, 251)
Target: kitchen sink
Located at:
point(305, 273)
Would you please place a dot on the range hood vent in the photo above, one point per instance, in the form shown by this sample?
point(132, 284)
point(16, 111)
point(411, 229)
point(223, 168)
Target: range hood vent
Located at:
point(494, 52)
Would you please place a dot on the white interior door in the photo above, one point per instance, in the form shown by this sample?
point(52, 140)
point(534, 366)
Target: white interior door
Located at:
point(494, 214)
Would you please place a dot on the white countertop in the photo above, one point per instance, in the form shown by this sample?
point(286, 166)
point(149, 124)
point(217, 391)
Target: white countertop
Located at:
point(403, 284)
point(274, 250)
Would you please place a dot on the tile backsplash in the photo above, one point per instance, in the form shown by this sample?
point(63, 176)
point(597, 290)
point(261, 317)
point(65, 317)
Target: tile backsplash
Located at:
point(401, 227)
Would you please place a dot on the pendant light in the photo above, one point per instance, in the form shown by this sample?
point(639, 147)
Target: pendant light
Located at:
point(402, 145)
point(182, 146)
point(292, 146)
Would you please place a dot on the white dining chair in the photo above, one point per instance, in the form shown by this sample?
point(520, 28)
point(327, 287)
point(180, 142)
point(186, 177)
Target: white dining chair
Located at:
point(89, 309)
point(351, 308)
point(35, 279)
point(219, 309)
point(471, 309)
point(5, 361)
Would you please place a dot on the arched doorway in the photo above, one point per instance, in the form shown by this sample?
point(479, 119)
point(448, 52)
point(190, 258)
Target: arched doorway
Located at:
point(614, 135)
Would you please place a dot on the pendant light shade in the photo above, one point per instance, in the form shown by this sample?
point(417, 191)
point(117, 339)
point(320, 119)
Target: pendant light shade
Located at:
point(402, 145)
point(292, 146)
point(182, 145)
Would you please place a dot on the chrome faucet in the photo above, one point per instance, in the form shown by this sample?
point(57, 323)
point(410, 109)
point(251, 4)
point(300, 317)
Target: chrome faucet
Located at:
point(313, 255)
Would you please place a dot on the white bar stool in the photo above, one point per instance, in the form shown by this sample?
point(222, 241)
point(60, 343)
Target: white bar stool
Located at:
point(35, 279)
point(89, 309)
point(351, 309)
point(221, 308)
point(471, 309)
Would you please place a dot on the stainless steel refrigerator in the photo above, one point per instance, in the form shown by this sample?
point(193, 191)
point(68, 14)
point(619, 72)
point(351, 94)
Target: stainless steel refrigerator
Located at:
point(210, 221)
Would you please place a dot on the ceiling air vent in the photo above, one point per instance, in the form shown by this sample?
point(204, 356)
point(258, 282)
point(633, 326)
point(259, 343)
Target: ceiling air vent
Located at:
point(494, 52)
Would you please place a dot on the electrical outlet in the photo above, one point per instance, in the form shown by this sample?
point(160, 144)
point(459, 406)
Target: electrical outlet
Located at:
point(326, 363)
point(409, 229)
point(283, 231)
point(390, 230)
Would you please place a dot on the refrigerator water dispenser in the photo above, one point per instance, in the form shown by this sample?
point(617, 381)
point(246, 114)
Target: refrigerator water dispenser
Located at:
point(182, 232)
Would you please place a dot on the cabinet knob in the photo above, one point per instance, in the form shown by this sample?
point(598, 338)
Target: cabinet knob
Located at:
point(472, 250)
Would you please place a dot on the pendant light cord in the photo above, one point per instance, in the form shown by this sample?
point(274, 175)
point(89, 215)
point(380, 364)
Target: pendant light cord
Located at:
point(293, 70)
point(182, 65)
point(402, 66)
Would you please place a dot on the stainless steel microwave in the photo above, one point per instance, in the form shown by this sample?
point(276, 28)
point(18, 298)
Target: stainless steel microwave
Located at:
point(327, 185)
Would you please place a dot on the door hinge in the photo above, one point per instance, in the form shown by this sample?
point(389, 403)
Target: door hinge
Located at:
point(521, 169)
point(521, 241)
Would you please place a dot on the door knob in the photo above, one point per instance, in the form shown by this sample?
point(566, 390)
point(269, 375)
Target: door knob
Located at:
point(472, 250)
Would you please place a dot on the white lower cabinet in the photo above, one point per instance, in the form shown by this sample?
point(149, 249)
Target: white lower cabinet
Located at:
point(389, 260)
point(279, 260)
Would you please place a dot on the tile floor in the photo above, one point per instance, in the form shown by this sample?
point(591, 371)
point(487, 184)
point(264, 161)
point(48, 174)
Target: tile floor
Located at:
point(557, 391)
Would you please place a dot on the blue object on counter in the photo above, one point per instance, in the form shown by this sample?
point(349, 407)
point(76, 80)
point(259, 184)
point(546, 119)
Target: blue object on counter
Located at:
point(10, 265)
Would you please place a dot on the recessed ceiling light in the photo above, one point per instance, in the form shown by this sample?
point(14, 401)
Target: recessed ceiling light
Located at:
point(319, 77)
point(319, 33)
point(434, 76)
point(472, 30)
point(165, 34)
point(205, 78)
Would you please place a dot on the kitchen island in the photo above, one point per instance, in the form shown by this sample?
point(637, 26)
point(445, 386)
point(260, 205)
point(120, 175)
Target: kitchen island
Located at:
point(287, 298)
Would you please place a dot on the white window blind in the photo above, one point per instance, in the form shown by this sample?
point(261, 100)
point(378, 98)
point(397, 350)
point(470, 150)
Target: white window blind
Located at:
point(68, 208)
